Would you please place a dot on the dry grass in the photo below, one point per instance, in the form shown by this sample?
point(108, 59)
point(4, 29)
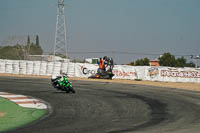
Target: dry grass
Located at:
point(28, 76)
point(187, 86)
point(2, 114)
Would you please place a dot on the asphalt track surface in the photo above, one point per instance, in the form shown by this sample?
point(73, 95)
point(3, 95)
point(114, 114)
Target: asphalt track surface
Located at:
point(100, 107)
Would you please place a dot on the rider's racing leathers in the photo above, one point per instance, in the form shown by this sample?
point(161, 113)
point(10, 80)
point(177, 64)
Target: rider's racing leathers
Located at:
point(63, 81)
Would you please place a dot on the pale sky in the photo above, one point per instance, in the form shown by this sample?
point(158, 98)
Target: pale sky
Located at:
point(134, 28)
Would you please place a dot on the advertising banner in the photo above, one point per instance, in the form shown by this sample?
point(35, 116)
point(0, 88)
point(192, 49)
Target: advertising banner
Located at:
point(120, 71)
point(124, 72)
point(85, 70)
point(172, 74)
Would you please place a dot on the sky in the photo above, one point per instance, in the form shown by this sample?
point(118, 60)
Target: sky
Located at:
point(124, 29)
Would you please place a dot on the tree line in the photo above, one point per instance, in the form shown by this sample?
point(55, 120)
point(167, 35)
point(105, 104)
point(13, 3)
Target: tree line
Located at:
point(167, 59)
point(21, 51)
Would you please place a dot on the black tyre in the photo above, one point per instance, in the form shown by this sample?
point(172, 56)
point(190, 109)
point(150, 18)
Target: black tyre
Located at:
point(67, 91)
point(72, 90)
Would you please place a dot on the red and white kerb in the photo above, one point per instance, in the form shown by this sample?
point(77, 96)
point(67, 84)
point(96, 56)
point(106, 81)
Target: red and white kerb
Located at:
point(24, 101)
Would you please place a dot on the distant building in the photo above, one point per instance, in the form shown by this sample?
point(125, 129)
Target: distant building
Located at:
point(154, 63)
point(92, 60)
point(48, 58)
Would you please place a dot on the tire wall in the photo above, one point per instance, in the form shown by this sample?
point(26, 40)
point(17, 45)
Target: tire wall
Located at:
point(22, 67)
point(166, 74)
point(8, 66)
point(15, 67)
point(2, 66)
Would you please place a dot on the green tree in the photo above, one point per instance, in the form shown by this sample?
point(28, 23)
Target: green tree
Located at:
point(132, 63)
point(190, 64)
point(180, 62)
point(167, 60)
point(19, 52)
point(28, 40)
point(146, 61)
point(142, 62)
point(139, 62)
point(11, 52)
point(37, 40)
point(35, 49)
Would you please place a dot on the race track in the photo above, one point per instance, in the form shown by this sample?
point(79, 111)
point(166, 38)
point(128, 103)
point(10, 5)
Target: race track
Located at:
point(99, 107)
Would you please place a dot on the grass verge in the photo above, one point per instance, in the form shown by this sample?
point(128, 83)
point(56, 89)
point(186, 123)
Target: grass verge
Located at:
point(14, 116)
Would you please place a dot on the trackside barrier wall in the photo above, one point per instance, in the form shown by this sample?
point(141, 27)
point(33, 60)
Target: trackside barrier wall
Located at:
point(29, 67)
point(36, 67)
point(2, 66)
point(8, 67)
point(43, 68)
point(166, 74)
point(56, 68)
point(15, 67)
point(64, 67)
point(22, 67)
point(49, 68)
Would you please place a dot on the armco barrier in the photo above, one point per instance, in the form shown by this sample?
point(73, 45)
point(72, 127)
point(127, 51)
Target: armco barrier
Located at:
point(166, 74)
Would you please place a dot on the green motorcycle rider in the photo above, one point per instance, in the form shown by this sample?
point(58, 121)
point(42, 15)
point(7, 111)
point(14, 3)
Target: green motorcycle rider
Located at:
point(64, 82)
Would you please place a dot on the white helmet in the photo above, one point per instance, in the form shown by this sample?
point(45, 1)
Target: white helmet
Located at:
point(53, 76)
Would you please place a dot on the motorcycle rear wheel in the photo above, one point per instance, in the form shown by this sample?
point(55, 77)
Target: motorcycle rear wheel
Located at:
point(72, 90)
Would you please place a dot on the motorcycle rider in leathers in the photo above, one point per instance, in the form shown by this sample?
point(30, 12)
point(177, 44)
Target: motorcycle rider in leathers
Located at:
point(63, 81)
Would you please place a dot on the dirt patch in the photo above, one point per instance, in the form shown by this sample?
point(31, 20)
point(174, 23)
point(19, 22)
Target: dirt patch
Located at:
point(21, 75)
point(187, 86)
point(2, 114)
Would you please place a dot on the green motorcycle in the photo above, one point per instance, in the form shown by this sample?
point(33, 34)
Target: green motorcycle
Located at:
point(62, 83)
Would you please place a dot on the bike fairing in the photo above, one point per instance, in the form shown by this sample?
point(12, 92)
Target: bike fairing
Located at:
point(62, 83)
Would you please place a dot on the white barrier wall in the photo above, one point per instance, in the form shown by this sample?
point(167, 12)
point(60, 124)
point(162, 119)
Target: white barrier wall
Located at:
point(56, 68)
point(22, 67)
point(43, 68)
point(8, 66)
point(166, 74)
point(2, 66)
point(49, 68)
point(36, 67)
point(64, 67)
point(15, 67)
point(29, 67)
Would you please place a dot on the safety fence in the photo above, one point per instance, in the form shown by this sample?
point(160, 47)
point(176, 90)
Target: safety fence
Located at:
point(167, 74)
